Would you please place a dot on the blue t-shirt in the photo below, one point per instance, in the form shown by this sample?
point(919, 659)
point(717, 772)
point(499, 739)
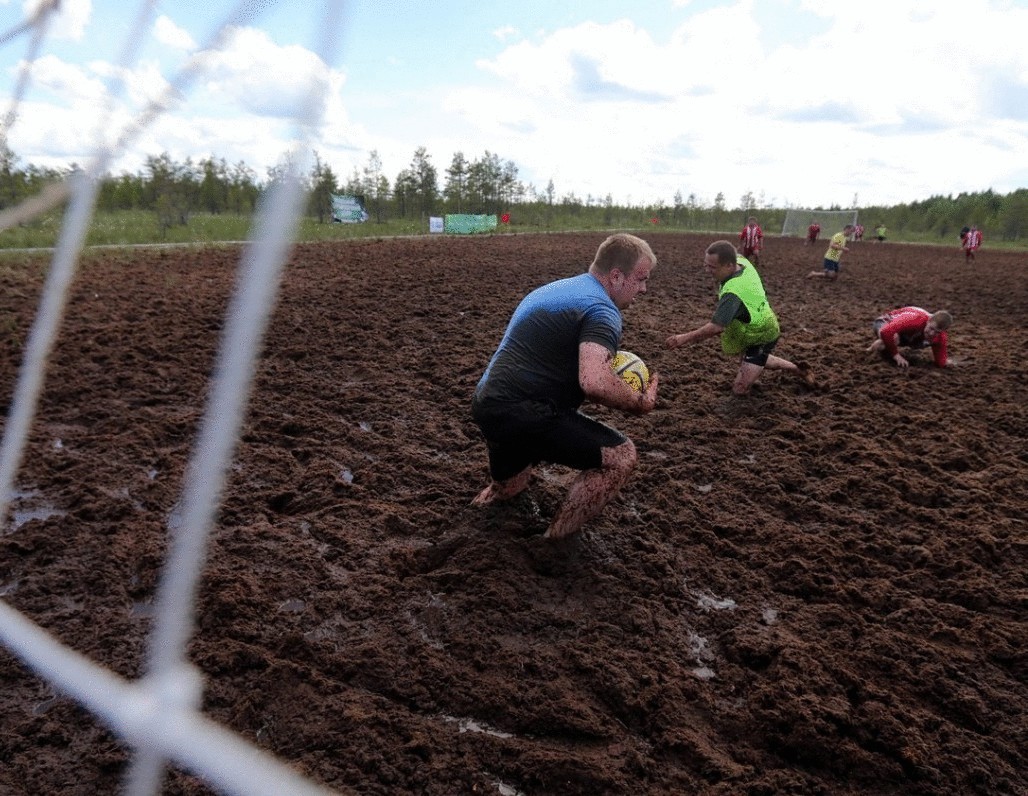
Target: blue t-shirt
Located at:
point(538, 355)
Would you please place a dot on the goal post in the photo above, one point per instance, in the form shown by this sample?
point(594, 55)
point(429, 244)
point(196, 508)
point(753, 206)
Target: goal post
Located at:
point(798, 219)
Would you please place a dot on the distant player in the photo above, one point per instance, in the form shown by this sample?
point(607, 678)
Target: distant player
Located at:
point(812, 233)
point(751, 240)
point(912, 327)
point(833, 257)
point(858, 232)
point(972, 240)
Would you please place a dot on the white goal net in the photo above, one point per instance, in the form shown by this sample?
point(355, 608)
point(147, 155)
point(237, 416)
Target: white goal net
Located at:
point(798, 220)
point(158, 716)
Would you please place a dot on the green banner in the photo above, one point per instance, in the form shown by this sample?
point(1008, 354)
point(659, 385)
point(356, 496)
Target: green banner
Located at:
point(466, 224)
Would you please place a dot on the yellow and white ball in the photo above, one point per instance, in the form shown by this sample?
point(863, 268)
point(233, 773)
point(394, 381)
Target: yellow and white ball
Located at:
point(631, 369)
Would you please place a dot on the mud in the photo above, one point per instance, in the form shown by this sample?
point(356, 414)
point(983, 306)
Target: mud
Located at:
point(811, 591)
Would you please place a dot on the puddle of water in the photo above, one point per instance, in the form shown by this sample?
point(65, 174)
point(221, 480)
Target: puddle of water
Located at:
point(20, 516)
point(708, 602)
point(471, 725)
point(698, 646)
point(25, 505)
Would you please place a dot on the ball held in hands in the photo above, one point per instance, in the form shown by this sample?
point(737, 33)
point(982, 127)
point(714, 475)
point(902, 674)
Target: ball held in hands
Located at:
point(631, 369)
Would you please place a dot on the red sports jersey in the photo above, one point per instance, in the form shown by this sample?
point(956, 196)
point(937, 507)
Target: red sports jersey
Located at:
point(973, 239)
point(752, 238)
point(905, 327)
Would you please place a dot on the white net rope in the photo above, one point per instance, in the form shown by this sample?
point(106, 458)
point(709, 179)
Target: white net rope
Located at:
point(798, 220)
point(158, 716)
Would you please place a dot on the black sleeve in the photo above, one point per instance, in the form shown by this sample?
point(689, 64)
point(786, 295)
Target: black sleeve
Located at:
point(728, 309)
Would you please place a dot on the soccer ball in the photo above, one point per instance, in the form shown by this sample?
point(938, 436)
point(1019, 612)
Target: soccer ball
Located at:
point(631, 369)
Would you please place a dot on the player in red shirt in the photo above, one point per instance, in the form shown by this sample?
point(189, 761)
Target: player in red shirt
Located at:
point(858, 232)
point(751, 241)
point(812, 232)
point(972, 240)
point(912, 327)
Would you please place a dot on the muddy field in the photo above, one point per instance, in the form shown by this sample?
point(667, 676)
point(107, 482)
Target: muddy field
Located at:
point(817, 592)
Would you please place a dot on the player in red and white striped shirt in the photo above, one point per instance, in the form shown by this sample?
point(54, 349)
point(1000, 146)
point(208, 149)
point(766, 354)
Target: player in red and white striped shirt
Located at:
point(972, 240)
point(751, 241)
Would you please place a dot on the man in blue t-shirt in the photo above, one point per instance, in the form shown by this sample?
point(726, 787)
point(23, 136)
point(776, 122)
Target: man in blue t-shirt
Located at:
point(555, 354)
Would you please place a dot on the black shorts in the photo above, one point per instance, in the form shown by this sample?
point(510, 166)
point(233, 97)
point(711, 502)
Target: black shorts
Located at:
point(758, 354)
point(525, 433)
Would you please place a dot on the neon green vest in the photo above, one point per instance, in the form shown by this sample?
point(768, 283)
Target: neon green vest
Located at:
point(763, 326)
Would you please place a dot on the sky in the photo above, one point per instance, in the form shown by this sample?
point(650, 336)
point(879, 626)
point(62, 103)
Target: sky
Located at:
point(799, 103)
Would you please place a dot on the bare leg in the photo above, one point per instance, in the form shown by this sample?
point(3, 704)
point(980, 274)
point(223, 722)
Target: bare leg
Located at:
point(593, 489)
point(877, 345)
point(799, 369)
point(504, 490)
point(747, 377)
point(777, 363)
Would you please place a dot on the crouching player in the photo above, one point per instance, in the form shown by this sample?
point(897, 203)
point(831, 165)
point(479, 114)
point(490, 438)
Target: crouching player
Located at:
point(912, 327)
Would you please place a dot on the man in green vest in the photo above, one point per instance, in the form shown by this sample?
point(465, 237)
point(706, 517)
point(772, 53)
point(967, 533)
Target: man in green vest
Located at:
point(744, 319)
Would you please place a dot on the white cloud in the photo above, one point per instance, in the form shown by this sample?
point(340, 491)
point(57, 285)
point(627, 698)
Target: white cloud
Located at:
point(67, 83)
point(168, 33)
point(263, 78)
point(722, 107)
point(70, 21)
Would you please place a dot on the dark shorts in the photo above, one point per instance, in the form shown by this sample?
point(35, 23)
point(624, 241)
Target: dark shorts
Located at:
point(758, 354)
point(519, 435)
point(831, 265)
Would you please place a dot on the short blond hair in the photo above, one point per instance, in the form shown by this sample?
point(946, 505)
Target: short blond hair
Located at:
point(942, 319)
point(621, 251)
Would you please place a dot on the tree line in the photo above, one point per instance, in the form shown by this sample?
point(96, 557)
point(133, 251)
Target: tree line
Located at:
point(488, 184)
